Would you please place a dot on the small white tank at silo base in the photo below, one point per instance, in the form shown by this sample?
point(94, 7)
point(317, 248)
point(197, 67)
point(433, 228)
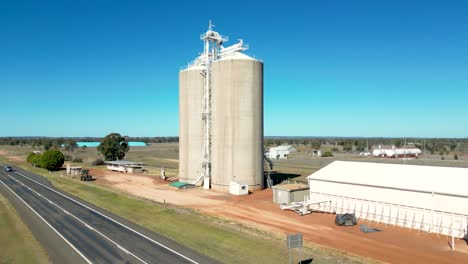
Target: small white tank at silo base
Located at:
point(191, 85)
point(237, 119)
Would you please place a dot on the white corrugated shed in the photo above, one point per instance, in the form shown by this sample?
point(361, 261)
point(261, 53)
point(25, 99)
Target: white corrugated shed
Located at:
point(281, 152)
point(434, 199)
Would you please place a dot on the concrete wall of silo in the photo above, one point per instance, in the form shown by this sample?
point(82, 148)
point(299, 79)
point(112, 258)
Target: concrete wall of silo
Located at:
point(237, 115)
point(191, 85)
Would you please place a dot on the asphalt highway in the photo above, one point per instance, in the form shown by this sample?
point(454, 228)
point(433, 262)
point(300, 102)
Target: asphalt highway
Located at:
point(74, 231)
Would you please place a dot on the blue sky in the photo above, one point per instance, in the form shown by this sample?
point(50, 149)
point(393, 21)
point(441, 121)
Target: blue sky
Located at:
point(332, 68)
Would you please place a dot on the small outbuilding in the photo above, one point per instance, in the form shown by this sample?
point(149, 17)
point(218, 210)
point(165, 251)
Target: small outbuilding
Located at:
point(281, 152)
point(316, 153)
point(73, 170)
point(125, 166)
point(286, 193)
point(238, 188)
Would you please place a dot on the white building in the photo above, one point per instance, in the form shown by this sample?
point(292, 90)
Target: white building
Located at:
point(394, 152)
point(125, 166)
point(427, 198)
point(281, 152)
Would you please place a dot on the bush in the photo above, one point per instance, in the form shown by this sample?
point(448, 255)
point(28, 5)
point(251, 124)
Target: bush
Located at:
point(68, 157)
point(97, 162)
point(34, 159)
point(455, 156)
point(52, 159)
point(77, 160)
point(327, 154)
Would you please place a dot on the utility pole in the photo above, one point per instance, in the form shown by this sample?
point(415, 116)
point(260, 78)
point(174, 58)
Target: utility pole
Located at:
point(424, 151)
point(404, 154)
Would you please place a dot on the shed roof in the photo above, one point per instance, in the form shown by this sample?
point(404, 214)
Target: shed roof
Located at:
point(442, 180)
point(291, 186)
point(283, 147)
point(123, 162)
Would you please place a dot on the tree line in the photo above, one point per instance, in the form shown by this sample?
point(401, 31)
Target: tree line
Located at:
point(430, 145)
point(57, 142)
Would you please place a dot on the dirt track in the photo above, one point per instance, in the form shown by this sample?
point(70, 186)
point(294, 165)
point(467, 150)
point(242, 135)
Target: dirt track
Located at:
point(394, 244)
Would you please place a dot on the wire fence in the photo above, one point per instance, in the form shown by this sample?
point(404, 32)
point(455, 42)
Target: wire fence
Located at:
point(421, 219)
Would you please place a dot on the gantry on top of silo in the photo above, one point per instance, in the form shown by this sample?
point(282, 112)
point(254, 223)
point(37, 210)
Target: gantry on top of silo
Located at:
point(221, 117)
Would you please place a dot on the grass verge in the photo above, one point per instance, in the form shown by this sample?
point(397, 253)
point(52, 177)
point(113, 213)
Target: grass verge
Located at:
point(17, 244)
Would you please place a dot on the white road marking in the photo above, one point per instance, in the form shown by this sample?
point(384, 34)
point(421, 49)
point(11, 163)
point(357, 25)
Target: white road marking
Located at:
point(68, 242)
point(111, 219)
point(87, 225)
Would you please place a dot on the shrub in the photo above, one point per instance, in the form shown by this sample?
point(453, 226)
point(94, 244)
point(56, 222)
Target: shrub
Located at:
point(34, 159)
point(327, 154)
point(52, 159)
point(455, 156)
point(68, 157)
point(97, 162)
point(77, 160)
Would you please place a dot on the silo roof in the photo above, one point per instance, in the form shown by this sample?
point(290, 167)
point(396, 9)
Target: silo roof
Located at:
point(440, 180)
point(194, 67)
point(237, 56)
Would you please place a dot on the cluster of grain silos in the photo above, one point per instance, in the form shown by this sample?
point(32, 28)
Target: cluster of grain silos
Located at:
point(221, 118)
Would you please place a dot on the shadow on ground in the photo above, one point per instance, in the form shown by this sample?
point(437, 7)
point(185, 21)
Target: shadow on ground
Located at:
point(278, 177)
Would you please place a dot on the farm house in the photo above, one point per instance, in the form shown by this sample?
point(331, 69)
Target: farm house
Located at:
point(426, 198)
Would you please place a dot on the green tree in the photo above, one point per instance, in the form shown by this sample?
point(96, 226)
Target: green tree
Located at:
point(315, 144)
point(51, 159)
point(113, 147)
point(397, 143)
point(71, 146)
point(348, 146)
point(33, 158)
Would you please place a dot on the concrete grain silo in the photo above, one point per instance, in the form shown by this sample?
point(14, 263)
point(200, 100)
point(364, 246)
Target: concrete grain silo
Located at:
point(221, 118)
point(191, 85)
point(237, 117)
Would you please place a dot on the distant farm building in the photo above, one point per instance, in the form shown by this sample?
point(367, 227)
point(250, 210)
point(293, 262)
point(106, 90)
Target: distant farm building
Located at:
point(316, 153)
point(125, 166)
point(393, 152)
point(426, 198)
point(95, 144)
point(281, 152)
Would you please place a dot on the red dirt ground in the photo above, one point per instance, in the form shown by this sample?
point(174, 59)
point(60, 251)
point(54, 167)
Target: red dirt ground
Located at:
point(394, 244)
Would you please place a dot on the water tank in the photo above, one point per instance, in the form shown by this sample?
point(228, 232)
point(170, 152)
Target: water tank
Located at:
point(191, 85)
point(237, 119)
